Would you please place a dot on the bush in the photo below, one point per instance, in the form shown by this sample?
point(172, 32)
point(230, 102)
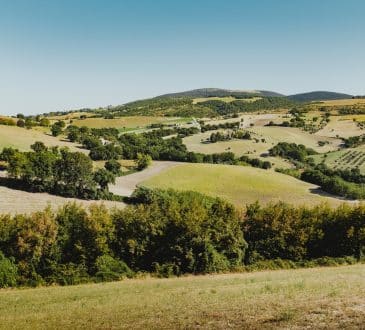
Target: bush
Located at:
point(8, 272)
point(110, 269)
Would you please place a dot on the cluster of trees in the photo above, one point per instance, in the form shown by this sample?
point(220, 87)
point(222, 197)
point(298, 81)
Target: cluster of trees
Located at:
point(214, 127)
point(60, 172)
point(218, 136)
point(291, 151)
point(255, 162)
point(171, 233)
point(352, 110)
point(264, 103)
point(334, 183)
point(165, 232)
point(27, 122)
point(354, 141)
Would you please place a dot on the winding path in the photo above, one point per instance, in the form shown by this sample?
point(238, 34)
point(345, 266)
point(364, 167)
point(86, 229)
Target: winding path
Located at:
point(125, 185)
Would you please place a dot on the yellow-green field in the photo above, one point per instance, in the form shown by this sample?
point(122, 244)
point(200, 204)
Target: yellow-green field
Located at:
point(317, 298)
point(240, 185)
point(342, 126)
point(342, 102)
point(22, 139)
point(224, 99)
point(124, 122)
point(266, 137)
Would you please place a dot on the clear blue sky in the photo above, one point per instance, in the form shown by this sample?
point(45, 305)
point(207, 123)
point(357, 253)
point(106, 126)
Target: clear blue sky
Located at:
point(58, 55)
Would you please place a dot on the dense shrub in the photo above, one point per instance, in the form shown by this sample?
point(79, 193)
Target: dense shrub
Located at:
point(171, 233)
point(8, 272)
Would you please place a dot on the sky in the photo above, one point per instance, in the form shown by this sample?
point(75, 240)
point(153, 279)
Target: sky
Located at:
point(58, 55)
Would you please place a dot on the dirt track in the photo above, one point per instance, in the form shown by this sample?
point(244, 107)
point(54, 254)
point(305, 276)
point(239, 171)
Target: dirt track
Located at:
point(125, 185)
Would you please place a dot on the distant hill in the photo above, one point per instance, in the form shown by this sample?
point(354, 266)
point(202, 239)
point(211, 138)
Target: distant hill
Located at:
point(219, 92)
point(319, 96)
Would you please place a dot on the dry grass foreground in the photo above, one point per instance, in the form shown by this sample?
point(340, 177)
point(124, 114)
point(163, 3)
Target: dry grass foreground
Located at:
point(317, 298)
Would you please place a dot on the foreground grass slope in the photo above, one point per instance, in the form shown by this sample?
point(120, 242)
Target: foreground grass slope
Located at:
point(238, 184)
point(307, 298)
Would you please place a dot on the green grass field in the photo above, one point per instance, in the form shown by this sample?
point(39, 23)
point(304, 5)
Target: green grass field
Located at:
point(22, 139)
point(318, 298)
point(239, 184)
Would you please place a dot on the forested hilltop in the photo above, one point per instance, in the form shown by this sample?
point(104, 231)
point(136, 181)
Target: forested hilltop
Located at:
point(210, 102)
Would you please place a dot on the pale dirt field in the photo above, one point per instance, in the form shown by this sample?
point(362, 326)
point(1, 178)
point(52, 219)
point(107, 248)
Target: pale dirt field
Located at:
point(343, 126)
point(125, 185)
point(17, 201)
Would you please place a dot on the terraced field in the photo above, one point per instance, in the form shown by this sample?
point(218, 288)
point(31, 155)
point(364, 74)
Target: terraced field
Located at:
point(238, 184)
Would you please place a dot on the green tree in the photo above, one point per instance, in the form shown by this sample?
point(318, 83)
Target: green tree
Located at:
point(143, 161)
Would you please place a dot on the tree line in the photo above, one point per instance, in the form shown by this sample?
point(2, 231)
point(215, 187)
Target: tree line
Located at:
point(173, 233)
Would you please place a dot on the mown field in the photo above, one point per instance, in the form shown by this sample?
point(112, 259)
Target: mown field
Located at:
point(132, 122)
point(22, 139)
point(239, 184)
point(342, 102)
point(17, 201)
point(318, 298)
point(342, 126)
point(263, 138)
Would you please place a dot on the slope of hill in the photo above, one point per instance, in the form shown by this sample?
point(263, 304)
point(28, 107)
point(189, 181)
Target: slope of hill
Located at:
point(325, 298)
point(240, 185)
point(318, 96)
point(219, 92)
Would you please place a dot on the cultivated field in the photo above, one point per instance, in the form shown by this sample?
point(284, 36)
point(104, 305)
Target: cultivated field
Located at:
point(239, 184)
point(341, 126)
point(318, 298)
point(344, 159)
point(17, 201)
point(22, 139)
point(263, 138)
point(342, 102)
point(134, 122)
point(224, 99)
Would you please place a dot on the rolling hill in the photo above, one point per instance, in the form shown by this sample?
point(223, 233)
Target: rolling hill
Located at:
point(318, 96)
point(219, 92)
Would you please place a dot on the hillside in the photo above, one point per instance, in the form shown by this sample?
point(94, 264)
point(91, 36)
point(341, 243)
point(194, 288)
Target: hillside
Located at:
point(240, 185)
point(318, 96)
point(219, 92)
point(320, 298)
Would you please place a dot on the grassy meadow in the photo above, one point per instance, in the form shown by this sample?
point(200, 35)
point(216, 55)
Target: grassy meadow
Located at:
point(22, 139)
point(238, 184)
point(320, 298)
